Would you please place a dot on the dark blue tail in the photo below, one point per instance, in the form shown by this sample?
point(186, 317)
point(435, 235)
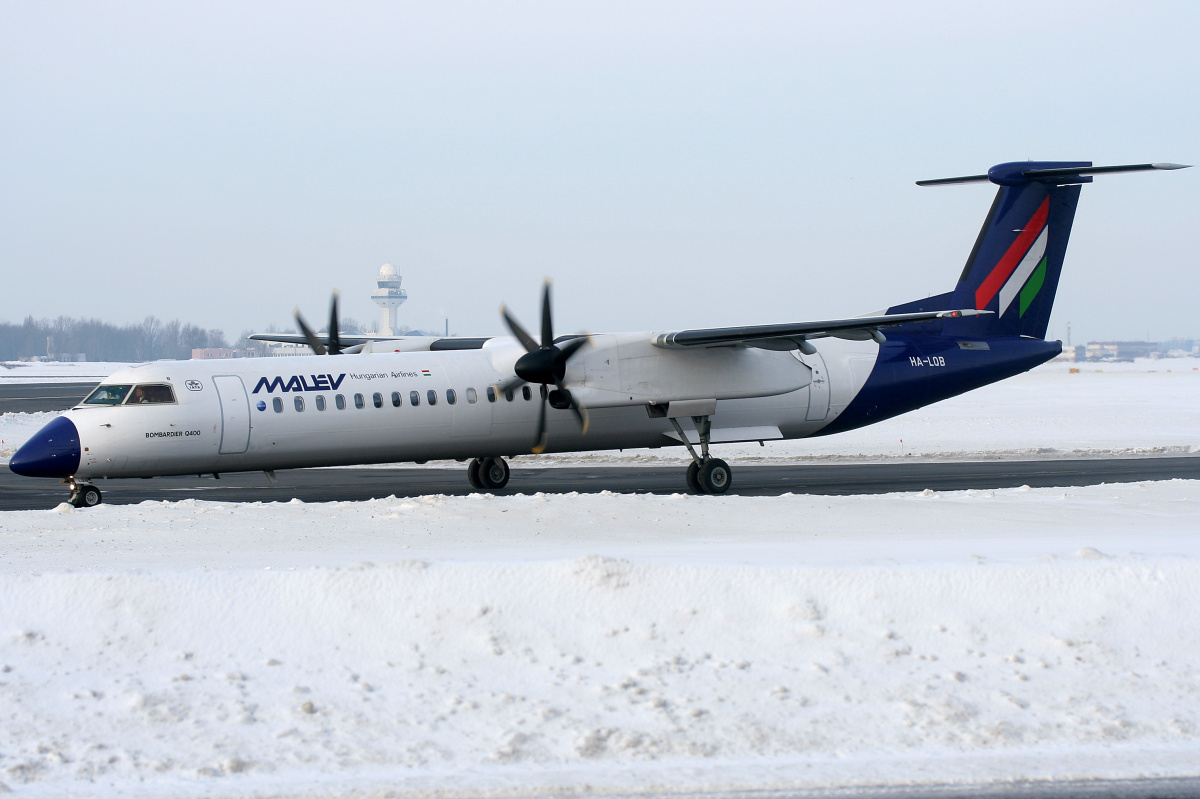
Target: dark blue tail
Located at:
point(1014, 267)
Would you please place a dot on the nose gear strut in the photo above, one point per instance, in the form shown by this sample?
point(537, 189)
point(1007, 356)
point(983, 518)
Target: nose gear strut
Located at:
point(83, 495)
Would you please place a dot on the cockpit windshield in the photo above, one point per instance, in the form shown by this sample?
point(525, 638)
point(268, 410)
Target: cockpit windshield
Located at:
point(144, 394)
point(107, 395)
point(151, 394)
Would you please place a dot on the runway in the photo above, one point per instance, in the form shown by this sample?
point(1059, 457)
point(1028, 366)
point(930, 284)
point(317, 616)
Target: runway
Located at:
point(332, 485)
point(32, 397)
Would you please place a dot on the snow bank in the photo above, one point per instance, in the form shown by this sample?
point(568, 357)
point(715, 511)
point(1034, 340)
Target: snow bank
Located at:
point(536, 642)
point(16, 428)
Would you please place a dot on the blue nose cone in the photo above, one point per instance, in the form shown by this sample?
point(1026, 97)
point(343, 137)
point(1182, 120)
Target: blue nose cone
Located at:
point(52, 452)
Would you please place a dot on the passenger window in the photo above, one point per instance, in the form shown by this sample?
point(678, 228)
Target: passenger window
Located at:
point(508, 394)
point(491, 394)
point(431, 395)
point(526, 393)
point(155, 394)
point(359, 402)
point(472, 397)
point(396, 401)
point(299, 403)
point(320, 402)
point(377, 399)
point(107, 395)
point(415, 398)
point(340, 401)
point(277, 403)
point(451, 397)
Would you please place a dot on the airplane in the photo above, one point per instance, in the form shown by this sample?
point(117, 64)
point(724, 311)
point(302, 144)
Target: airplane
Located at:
point(481, 400)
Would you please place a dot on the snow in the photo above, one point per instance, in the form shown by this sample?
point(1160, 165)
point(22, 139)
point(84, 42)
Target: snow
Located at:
point(16, 429)
point(523, 645)
point(531, 642)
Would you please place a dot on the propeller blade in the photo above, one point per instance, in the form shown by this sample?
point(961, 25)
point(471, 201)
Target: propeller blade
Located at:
point(545, 364)
point(335, 341)
point(526, 340)
point(547, 322)
point(313, 341)
point(580, 411)
point(542, 438)
point(569, 348)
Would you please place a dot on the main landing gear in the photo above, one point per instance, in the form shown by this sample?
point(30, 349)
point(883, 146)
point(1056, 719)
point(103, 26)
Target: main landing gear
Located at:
point(84, 495)
point(705, 474)
point(488, 474)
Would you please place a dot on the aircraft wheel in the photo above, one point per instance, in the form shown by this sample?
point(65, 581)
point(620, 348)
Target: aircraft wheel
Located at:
point(473, 474)
point(493, 473)
point(693, 478)
point(86, 496)
point(715, 476)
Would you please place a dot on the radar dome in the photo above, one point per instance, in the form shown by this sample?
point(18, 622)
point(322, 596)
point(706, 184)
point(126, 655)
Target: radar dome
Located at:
point(389, 271)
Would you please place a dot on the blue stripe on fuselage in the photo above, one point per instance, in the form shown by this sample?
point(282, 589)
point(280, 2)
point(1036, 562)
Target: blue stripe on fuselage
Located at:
point(911, 372)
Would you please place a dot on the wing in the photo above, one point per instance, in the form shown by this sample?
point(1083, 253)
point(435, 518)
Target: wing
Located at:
point(297, 338)
point(403, 343)
point(795, 336)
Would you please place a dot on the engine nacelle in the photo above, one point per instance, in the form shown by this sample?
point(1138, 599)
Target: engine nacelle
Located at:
point(627, 369)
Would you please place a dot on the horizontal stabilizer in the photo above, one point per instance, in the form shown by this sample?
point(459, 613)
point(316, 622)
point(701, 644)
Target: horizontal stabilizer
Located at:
point(1017, 172)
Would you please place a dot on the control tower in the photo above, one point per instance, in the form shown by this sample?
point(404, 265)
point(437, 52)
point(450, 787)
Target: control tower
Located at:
point(389, 296)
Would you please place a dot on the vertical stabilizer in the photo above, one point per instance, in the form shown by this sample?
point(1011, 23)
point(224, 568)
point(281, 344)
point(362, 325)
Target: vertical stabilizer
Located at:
point(1014, 267)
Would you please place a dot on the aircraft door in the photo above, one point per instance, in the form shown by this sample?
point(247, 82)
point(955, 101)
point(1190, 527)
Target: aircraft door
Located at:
point(818, 390)
point(235, 414)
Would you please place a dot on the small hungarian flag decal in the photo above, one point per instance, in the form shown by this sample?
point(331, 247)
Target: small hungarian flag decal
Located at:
point(426, 373)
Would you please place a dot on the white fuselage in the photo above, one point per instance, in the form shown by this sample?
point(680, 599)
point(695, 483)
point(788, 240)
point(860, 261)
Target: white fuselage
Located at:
point(262, 413)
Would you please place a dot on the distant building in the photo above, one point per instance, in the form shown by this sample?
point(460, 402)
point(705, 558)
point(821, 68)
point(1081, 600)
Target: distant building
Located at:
point(281, 349)
point(59, 357)
point(1120, 350)
point(214, 353)
point(1072, 354)
point(1181, 347)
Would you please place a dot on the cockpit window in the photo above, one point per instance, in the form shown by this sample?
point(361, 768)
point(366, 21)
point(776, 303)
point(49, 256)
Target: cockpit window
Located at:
point(107, 395)
point(151, 394)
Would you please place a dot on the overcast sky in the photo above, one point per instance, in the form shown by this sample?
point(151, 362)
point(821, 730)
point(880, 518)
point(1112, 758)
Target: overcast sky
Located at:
point(668, 164)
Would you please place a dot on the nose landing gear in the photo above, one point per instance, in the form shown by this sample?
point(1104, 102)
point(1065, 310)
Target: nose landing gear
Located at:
point(488, 474)
point(84, 495)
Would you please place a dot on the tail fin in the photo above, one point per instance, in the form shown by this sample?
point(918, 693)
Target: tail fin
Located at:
point(1014, 267)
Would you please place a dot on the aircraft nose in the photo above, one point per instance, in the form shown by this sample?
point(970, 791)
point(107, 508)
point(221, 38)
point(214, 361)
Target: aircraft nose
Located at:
point(52, 452)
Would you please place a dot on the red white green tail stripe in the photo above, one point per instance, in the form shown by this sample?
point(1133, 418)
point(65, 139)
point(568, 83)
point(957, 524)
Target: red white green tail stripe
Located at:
point(1021, 271)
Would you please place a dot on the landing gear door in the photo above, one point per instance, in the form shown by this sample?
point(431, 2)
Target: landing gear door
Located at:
point(235, 414)
point(818, 390)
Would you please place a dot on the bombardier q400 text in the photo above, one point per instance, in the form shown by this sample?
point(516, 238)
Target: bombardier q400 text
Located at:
point(416, 398)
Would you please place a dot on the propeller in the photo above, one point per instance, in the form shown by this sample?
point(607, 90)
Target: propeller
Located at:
point(545, 363)
point(332, 344)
